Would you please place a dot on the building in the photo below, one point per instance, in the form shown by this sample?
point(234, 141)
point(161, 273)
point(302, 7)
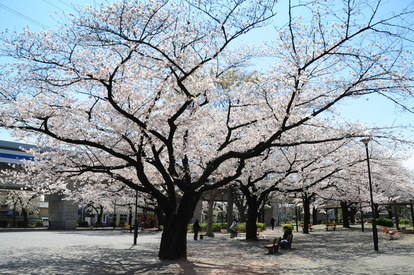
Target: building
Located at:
point(11, 154)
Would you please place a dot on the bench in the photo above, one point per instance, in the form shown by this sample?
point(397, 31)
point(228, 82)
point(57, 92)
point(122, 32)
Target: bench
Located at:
point(392, 234)
point(309, 227)
point(287, 244)
point(333, 225)
point(274, 247)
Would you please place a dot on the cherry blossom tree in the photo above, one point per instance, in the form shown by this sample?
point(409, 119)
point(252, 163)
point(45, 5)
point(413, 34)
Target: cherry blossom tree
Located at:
point(301, 169)
point(210, 198)
point(350, 187)
point(128, 91)
point(23, 202)
point(99, 196)
point(28, 188)
point(131, 91)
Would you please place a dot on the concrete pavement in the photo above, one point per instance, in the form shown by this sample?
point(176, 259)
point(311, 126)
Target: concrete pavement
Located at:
point(112, 252)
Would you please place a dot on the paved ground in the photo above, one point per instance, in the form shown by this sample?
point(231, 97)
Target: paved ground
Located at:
point(112, 252)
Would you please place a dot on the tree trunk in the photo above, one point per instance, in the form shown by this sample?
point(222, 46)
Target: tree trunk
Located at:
point(239, 201)
point(25, 217)
point(259, 215)
point(160, 214)
point(99, 215)
point(242, 213)
point(210, 210)
point(376, 212)
point(210, 216)
point(174, 237)
point(252, 215)
point(14, 215)
point(389, 211)
point(306, 213)
point(352, 215)
point(314, 216)
point(345, 214)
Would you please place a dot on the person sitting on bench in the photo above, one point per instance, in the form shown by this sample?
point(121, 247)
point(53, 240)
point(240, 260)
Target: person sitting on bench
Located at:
point(286, 232)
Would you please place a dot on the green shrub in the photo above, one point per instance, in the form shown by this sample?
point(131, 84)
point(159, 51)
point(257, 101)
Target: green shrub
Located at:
point(203, 226)
point(405, 221)
point(39, 223)
point(122, 223)
point(241, 227)
point(290, 225)
point(217, 226)
point(261, 225)
point(384, 222)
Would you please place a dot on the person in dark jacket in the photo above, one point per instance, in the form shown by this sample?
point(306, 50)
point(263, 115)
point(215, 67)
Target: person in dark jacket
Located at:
point(286, 232)
point(196, 228)
point(272, 223)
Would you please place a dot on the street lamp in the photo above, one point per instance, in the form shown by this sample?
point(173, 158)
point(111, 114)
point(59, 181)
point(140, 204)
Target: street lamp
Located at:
point(136, 218)
point(374, 223)
point(296, 214)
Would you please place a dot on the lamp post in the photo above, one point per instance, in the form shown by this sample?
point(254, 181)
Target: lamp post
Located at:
point(114, 220)
point(374, 223)
point(136, 218)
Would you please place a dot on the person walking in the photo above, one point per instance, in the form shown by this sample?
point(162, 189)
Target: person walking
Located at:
point(196, 228)
point(272, 223)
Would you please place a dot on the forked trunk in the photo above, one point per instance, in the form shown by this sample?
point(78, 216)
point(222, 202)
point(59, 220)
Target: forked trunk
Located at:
point(174, 237)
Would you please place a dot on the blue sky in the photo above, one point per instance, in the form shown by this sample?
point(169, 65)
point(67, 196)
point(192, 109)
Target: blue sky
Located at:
point(37, 15)
point(17, 14)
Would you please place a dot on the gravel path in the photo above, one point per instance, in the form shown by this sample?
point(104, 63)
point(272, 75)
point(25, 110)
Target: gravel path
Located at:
point(112, 252)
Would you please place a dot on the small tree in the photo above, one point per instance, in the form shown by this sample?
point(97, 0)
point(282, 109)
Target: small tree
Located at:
point(24, 202)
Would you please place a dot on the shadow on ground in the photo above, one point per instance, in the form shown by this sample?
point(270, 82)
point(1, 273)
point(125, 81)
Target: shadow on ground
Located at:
point(97, 252)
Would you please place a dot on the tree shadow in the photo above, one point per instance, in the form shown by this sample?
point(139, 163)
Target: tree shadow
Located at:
point(316, 253)
point(81, 259)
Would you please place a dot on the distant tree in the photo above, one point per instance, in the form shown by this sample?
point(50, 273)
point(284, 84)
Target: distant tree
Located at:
point(23, 202)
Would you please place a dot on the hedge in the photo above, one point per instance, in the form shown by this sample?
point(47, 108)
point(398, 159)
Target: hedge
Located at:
point(290, 225)
point(384, 222)
point(405, 221)
point(217, 226)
